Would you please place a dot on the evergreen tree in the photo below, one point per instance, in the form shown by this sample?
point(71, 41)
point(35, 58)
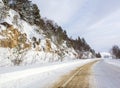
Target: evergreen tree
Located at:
point(98, 55)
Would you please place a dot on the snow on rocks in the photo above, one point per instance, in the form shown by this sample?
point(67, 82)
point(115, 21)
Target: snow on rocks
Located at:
point(32, 43)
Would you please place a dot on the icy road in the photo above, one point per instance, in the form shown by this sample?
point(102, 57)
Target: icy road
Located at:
point(105, 75)
point(98, 74)
point(76, 74)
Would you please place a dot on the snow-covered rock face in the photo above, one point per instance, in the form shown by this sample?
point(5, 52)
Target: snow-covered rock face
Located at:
point(28, 39)
point(23, 44)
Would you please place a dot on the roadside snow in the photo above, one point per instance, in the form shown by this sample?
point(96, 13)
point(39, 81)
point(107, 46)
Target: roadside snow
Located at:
point(115, 62)
point(37, 76)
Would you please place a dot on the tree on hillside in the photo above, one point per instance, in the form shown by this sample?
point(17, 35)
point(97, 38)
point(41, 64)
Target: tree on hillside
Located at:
point(98, 55)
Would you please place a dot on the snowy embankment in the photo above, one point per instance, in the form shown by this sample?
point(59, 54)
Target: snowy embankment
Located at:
point(40, 76)
point(115, 62)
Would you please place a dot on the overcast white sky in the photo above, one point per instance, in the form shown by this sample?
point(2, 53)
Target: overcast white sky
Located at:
point(98, 21)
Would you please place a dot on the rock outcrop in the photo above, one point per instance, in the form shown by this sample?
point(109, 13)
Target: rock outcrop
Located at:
point(12, 37)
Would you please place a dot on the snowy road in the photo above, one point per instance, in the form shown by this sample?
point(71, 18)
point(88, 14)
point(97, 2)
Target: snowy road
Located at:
point(99, 74)
point(37, 76)
point(77, 78)
point(105, 75)
point(102, 74)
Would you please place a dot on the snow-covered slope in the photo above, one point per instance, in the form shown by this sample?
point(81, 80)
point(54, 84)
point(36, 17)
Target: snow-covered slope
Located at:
point(22, 43)
point(26, 38)
point(33, 50)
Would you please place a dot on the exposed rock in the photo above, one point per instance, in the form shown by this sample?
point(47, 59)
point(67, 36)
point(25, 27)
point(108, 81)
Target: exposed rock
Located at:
point(13, 37)
point(48, 45)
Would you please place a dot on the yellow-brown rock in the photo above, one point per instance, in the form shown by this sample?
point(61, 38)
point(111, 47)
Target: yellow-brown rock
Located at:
point(13, 38)
point(48, 45)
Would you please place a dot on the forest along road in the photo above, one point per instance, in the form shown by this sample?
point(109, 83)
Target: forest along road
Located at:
point(98, 74)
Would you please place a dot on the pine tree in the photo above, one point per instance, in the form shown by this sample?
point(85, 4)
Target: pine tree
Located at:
point(98, 55)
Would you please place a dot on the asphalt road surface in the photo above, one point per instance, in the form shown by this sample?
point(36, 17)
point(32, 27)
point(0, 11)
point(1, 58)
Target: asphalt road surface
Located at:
point(105, 75)
point(98, 74)
point(79, 78)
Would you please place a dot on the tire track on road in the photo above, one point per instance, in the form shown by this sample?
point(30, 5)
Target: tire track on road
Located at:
point(79, 78)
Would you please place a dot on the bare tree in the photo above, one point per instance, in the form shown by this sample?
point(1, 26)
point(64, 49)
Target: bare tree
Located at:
point(115, 51)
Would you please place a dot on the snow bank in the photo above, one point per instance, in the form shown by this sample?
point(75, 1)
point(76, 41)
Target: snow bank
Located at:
point(37, 76)
point(115, 62)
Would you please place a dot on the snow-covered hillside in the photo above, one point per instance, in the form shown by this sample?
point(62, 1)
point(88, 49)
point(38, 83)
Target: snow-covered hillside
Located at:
point(24, 42)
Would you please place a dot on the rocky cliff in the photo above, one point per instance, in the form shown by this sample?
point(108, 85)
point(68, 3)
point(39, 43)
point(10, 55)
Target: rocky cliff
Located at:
point(26, 38)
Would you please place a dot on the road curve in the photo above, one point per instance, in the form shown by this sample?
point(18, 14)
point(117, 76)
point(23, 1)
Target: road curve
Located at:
point(93, 75)
point(105, 75)
point(78, 78)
